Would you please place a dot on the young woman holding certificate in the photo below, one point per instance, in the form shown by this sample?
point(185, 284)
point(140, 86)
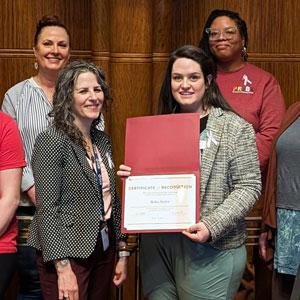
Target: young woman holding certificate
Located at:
point(207, 260)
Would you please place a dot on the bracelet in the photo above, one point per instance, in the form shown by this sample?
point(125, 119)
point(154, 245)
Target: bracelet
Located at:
point(124, 248)
point(62, 262)
point(124, 253)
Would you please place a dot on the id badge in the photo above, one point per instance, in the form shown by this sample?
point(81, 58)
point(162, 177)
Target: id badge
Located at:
point(104, 237)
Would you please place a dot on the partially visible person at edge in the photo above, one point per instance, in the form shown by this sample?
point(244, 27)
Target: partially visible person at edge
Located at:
point(76, 227)
point(252, 92)
point(206, 261)
point(11, 162)
point(29, 103)
point(281, 212)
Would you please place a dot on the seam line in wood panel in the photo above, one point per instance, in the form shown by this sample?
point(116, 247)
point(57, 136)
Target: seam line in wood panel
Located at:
point(265, 57)
point(28, 53)
point(144, 57)
point(252, 218)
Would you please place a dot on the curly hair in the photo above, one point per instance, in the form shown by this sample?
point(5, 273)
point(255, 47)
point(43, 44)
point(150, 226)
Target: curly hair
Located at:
point(212, 96)
point(45, 21)
point(63, 117)
point(240, 23)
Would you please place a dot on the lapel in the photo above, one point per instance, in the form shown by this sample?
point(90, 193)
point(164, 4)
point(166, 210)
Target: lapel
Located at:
point(87, 170)
point(214, 128)
point(103, 146)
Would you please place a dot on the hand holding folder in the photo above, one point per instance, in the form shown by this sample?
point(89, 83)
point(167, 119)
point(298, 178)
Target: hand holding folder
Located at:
point(163, 192)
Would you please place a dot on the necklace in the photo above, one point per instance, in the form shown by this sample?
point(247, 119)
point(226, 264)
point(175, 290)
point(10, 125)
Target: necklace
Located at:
point(204, 113)
point(89, 150)
point(92, 158)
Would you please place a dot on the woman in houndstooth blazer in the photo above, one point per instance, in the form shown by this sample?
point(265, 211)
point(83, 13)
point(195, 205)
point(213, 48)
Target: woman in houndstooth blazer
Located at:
point(207, 260)
point(76, 227)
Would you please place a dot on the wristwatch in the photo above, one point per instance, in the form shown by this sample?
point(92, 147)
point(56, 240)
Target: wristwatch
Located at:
point(124, 253)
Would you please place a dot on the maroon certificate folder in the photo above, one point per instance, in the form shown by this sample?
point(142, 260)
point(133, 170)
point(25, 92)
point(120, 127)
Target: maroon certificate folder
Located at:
point(162, 193)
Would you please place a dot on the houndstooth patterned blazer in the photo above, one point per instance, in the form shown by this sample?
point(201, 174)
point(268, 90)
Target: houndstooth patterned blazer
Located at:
point(230, 178)
point(66, 223)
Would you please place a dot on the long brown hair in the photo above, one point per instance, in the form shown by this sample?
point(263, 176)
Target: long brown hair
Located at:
point(212, 96)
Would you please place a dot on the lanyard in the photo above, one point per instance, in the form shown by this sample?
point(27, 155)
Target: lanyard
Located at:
point(98, 167)
point(99, 178)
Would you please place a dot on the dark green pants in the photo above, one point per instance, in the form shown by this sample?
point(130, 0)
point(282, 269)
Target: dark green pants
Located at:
point(174, 267)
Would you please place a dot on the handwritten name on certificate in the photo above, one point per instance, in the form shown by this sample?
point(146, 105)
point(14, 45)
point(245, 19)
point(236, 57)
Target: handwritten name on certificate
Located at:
point(159, 202)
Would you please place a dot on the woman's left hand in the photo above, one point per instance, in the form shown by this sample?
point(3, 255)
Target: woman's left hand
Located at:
point(197, 232)
point(263, 245)
point(120, 271)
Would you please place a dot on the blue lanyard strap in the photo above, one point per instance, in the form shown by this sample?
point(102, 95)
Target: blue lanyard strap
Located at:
point(99, 178)
point(98, 167)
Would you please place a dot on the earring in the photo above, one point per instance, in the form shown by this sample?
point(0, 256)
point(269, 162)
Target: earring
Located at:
point(244, 53)
point(36, 65)
point(209, 78)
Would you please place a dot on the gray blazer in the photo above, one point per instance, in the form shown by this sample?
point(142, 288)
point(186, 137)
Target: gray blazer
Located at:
point(230, 178)
point(67, 219)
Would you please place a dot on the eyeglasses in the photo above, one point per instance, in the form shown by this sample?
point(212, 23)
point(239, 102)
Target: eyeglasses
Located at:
point(227, 33)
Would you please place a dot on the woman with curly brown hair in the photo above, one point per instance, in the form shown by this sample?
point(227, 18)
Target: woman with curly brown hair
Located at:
point(76, 228)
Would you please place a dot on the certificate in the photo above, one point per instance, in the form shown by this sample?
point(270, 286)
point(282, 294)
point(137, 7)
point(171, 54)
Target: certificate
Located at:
point(162, 193)
point(160, 202)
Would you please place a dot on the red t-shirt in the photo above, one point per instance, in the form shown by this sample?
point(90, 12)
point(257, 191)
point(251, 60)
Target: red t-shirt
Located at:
point(256, 96)
point(11, 157)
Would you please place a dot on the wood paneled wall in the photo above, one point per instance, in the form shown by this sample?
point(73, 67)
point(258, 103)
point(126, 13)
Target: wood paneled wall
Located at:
point(131, 40)
point(17, 27)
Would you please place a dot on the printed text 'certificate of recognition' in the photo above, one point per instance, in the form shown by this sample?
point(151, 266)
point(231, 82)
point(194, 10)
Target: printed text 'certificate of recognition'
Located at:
point(162, 194)
point(160, 202)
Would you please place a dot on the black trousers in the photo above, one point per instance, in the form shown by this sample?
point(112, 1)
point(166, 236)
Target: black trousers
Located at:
point(8, 263)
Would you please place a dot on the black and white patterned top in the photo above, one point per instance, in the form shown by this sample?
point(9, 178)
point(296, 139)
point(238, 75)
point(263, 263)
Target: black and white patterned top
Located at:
point(66, 223)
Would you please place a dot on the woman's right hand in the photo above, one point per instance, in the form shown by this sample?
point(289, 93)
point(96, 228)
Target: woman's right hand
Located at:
point(124, 171)
point(67, 282)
